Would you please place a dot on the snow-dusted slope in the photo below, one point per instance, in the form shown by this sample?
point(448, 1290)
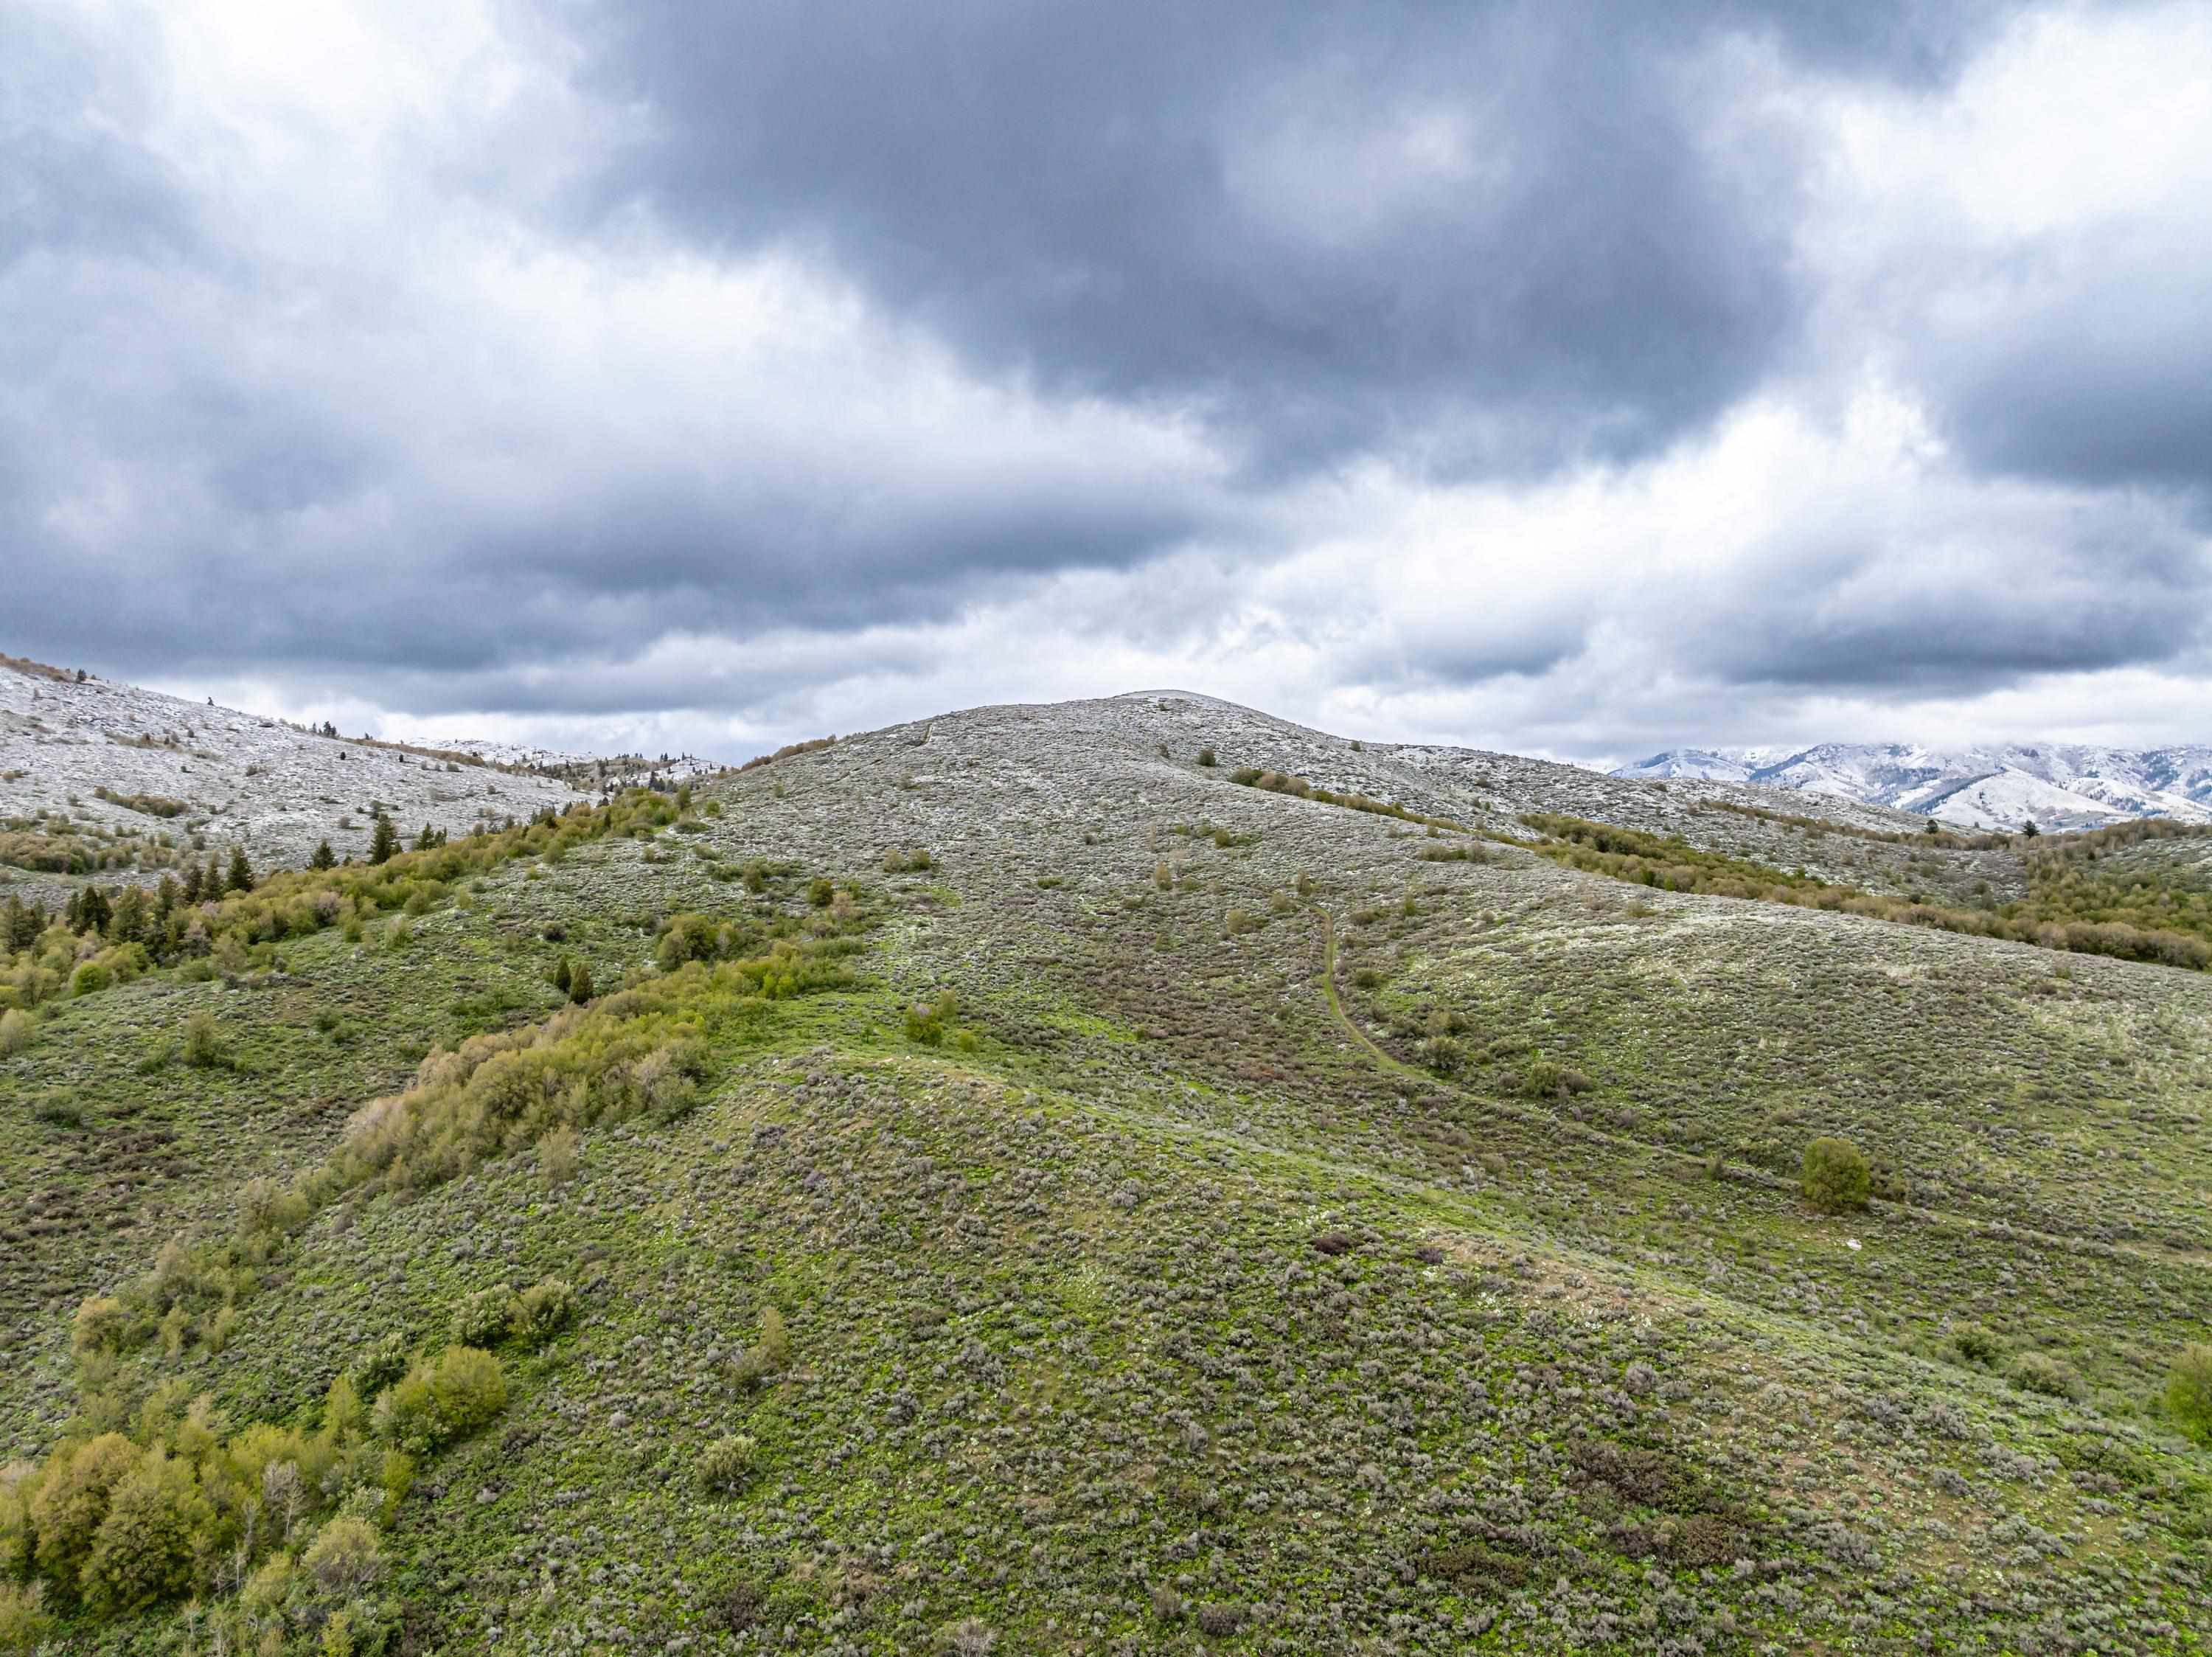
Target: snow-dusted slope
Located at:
point(618, 769)
point(2055, 785)
point(121, 766)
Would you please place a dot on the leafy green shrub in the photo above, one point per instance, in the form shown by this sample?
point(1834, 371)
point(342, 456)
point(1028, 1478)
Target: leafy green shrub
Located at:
point(24, 1620)
point(449, 1398)
point(17, 1028)
point(1836, 1177)
point(481, 1318)
point(2189, 1391)
point(102, 1325)
point(73, 1500)
point(381, 1365)
point(345, 1560)
point(143, 1550)
point(203, 1041)
point(1545, 1078)
point(468, 1388)
point(769, 1356)
point(541, 1311)
point(925, 1024)
point(1206, 757)
point(728, 1466)
point(558, 1155)
point(2037, 1371)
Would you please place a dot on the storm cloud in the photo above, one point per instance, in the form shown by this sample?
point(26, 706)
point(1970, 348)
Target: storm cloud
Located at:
point(1575, 377)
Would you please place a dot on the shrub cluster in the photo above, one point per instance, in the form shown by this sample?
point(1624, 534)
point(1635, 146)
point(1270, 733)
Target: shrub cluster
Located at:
point(787, 752)
point(280, 1518)
point(228, 919)
point(529, 1317)
point(2066, 909)
point(1278, 782)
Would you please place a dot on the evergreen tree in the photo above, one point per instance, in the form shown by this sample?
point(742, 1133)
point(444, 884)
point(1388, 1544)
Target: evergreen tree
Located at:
point(240, 878)
point(562, 975)
point(579, 983)
point(165, 896)
point(384, 841)
point(2031, 830)
point(90, 911)
point(23, 923)
point(211, 880)
point(128, 921)
point(190, 892)
point(322, 859)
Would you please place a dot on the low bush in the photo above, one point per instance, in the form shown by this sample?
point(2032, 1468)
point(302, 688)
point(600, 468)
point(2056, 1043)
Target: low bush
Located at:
point(1836, 1177)
point(2037, 1371)
point(437, 1401)
point(728, 1466)
point(2189, 1391)
point(481, 1318)
point(541, 1312)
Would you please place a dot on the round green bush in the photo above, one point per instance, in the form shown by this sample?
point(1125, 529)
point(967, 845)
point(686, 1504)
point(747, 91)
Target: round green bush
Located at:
point(541, 1311)
point(1837, 1177)
point(2037, 1371)
point(468, 1388)
point(481, 1318)
point(727, 1465)
point(2189, 1391)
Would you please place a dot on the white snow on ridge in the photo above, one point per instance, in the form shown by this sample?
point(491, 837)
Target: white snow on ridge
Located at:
point(2001, 786)
point(198, 777)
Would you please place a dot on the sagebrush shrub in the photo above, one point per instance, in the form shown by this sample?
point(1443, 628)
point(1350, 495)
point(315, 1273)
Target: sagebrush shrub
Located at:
point(2037, 1371)
point(481, 1318)
point(726, 1466)
point(541, 1311)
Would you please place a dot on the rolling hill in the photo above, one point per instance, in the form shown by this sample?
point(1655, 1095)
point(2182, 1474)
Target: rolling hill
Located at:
point(1122, 1176)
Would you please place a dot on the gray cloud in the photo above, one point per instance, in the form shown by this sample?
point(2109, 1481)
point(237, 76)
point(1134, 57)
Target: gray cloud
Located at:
point(1489, 235)
point(1958, 603)
point(803, 337)
point(2092, 361)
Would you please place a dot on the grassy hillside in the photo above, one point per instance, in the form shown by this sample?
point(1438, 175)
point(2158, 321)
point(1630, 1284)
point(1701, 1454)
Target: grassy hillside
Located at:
point(1007, 1187)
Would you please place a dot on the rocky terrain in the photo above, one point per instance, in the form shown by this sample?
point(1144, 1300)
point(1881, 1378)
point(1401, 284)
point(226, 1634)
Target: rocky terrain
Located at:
point(1127, 1176)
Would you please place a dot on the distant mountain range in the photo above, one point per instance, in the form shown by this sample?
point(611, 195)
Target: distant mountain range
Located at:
point(2005, 786)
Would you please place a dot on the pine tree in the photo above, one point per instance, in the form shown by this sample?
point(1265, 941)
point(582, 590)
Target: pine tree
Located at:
point(579, 983)
point(90, 911)
point(322, 859)
point(22, 925)
point(211, 878)
point(384, 841)
point(190, 890)
point(240, 878)
point(562, 975)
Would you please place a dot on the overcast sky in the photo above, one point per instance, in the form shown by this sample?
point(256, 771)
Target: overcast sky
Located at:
point(1581, 379)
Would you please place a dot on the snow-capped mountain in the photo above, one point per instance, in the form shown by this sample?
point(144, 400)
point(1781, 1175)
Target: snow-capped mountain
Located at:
point(2001, 786)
